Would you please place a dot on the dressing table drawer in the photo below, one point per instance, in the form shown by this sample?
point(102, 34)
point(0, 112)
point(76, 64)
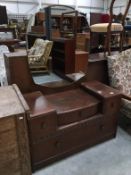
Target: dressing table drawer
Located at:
point(41, 126)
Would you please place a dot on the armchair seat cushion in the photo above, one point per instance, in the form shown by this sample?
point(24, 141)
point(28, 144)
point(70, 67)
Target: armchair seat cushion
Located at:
point(102, 27)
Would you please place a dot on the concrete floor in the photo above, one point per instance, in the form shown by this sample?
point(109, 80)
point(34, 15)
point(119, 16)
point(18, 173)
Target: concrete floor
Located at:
point(112, 157)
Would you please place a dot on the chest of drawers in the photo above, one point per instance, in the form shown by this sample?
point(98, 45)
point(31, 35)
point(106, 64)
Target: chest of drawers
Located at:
point(65, 122)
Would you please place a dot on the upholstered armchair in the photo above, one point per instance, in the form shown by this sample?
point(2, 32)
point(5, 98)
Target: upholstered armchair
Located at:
point(119, 68)
point(38, 55)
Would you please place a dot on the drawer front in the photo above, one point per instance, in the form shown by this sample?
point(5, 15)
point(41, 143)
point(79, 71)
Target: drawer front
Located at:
point(111, 106)
point(87, 133)
point(67, 118)
point(41, 126)
point(72, 137)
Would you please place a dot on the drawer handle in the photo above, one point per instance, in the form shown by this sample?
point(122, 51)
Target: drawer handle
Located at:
point(43, 125)
point(112, 105)
point(102, 127)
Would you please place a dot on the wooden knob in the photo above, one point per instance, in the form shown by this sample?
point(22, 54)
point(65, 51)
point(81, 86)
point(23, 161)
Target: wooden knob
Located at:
point(43, 125)
point(102, 127)
point(58, 144)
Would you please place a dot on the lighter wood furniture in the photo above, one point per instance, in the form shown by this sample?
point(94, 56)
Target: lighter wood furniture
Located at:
point(83, 41)
point(14, 148)
point(81, 61)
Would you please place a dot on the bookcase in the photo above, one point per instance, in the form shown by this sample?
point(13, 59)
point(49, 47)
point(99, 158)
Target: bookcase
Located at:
point(63, 56)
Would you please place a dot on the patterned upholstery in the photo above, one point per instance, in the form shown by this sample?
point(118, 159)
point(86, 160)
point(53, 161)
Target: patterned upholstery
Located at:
point(38, 55)
point(119, 68)
point(3, 79)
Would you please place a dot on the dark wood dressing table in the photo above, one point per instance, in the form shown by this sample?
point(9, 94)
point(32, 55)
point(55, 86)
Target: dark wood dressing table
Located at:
point(63, 120)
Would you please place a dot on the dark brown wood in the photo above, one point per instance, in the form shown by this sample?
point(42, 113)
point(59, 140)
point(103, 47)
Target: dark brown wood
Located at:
point(18, 72)
point(63, 56)
point(64, 120)
point(14, 146)
point(97, 68)
point(75, 120)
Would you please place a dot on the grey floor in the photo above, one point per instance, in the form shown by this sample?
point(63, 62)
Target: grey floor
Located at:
point(112, 157)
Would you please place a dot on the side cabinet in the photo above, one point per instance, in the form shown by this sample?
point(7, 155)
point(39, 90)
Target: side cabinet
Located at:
point(14, 147)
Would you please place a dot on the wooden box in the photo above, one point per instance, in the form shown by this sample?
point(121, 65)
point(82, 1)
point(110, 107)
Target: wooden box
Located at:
point(14, 148)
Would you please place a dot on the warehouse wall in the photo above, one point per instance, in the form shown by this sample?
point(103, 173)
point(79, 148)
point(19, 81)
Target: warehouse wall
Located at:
point(31, 6)
point(86, 6)
point(119, 6)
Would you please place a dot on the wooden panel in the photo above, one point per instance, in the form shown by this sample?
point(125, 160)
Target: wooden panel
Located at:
point(81, 61)
point(63, 56)
point(42, 125)
point(83, 41)
point(7, 139)
point(7, 155)
point(67, 141)
point(14, 150)
point(23, 144)
point(11, 168)
point(7, 124)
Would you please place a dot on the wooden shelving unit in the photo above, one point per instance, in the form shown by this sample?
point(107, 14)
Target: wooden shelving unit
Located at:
point(63, 56)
